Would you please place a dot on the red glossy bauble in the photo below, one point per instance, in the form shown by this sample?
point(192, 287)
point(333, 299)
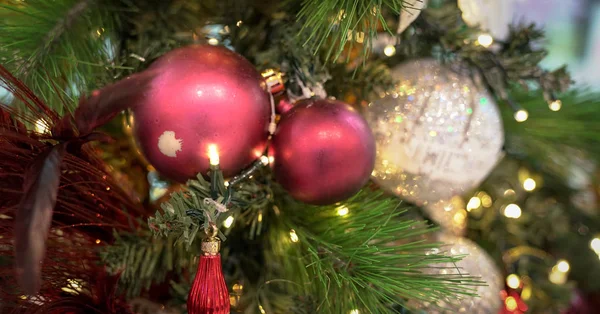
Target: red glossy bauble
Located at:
point(202, 96)
point(323, 151)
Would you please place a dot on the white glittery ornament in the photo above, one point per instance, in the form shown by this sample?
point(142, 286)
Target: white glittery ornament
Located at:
point(450, 214)
point(438, 135)
point(476, 263)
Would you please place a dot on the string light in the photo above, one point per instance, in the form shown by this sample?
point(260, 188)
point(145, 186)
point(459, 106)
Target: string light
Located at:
point(228, 222)
point(512, 211)
point(511, 303)
point(213, 155)
point(563, 266)
point(486, 201)
point(293, 236)
point(485, 40)
point(529, 184)
point(342, 211)
point(389, 50)
point(262, 311)
point(521, 115)
point(239, 23)
point(513, 281)
point(264, 160)
point(355, 311)
point(41, 127)
point(74, 286)
point(509, 192)
point(555, 105)
point(98, 241)
point(474, 203)
point(595, 244)
point(213, 41)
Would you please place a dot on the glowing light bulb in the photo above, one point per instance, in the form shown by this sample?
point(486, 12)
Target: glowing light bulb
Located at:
point(555, 105)
point(98, 241)
point(511, 304)
point(512, 211)
point(355, 311)
point(342, 211)
point(563, 266)
point(264, 160)
point(213, 155)
point(228, 222)
point(474, 203)
point(213, 41)
point(293, 236)
point(529, 184)
point(513, 281)
point(595, 244)
point(557, 277)
point(485, 40)
point(521, 115)
point(389, 50)
point(41, 127)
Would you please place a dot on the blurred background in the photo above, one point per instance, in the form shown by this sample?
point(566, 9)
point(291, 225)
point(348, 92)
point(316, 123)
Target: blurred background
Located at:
point(573, 34)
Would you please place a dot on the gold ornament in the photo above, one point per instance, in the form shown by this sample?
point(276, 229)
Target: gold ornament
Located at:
point(437, 133)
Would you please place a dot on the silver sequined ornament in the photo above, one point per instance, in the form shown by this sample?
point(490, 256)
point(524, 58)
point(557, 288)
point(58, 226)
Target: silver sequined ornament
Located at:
point(476, 263)
point(438, 134)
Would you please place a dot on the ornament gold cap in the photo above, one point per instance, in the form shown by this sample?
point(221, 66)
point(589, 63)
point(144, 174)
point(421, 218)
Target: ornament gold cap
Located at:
point(211, 245)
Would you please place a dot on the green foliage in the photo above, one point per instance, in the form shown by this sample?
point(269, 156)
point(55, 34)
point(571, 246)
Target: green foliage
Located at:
point(59, 48)
point(370, 259)
point(554, 141)
point(143, 260)
point(188, 210)
point(337, 23)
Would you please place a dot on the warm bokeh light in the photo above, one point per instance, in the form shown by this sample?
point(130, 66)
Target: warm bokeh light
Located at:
point(595, 244)
point(521, 115)
point(41, 127)
point(294, 236)
point(389, 50)
point(511, 304)
point(228, 222)
point(563, 266)
point(529, 184)
point(555, 105)
point(474, 203)
point(485, 40)
point(512, 211)
point(342, 211)
point(513, 281)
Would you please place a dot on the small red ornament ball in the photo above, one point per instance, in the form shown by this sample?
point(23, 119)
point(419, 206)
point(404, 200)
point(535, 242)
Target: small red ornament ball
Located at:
point(202, 96)
point(323, 151)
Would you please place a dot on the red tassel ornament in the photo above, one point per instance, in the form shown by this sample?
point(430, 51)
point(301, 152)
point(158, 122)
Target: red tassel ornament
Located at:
point(209, 294)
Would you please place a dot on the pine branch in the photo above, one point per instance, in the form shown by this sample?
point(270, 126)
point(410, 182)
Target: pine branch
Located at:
point(142, 259)
point(369, 259)
point(549, 139)
point(338, 23)
point(58, 48)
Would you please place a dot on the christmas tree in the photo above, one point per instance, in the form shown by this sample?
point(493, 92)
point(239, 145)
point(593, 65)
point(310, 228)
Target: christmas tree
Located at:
point(316, 156)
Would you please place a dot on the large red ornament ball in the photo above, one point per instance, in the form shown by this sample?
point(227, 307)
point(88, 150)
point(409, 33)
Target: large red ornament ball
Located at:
point(202, 96)
point(323, 151)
